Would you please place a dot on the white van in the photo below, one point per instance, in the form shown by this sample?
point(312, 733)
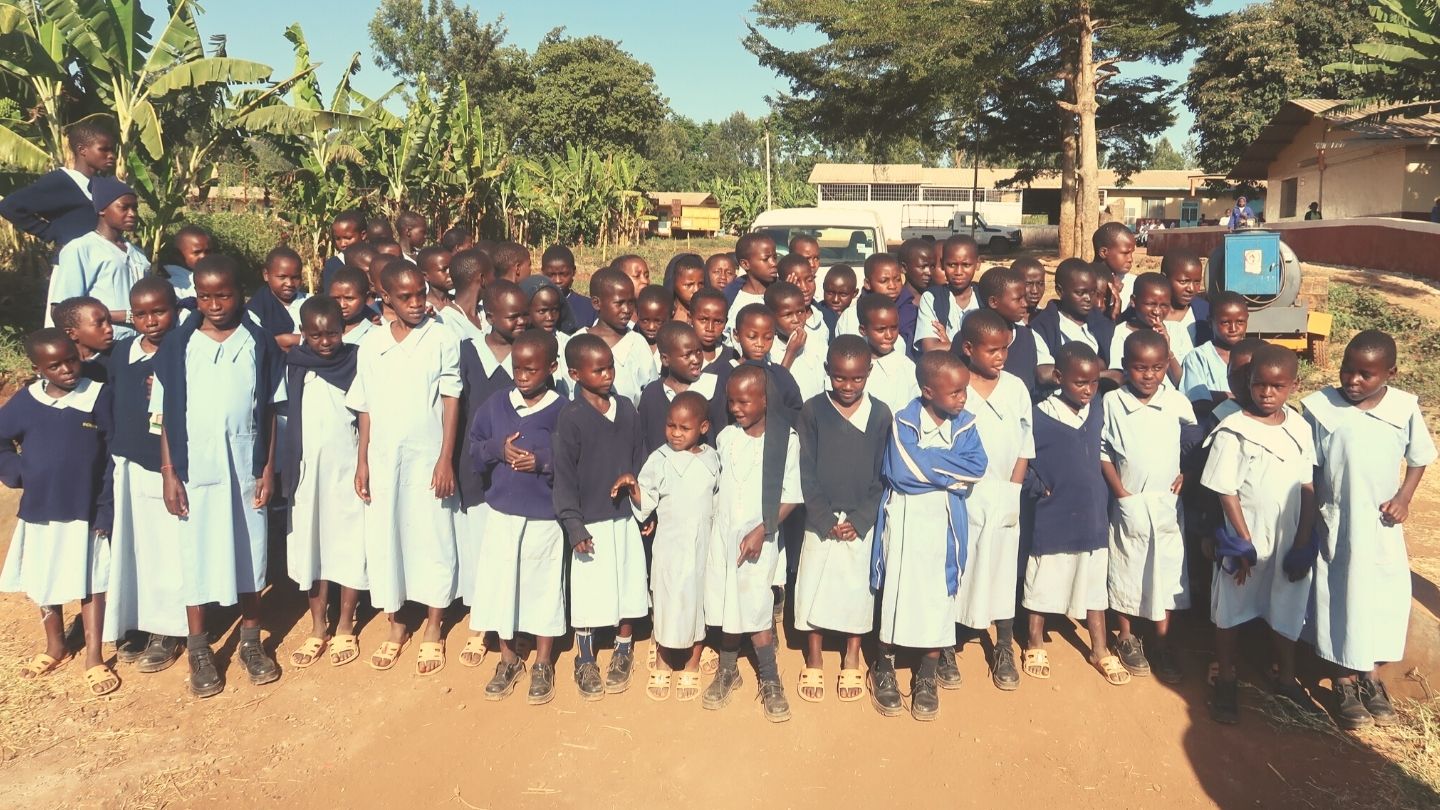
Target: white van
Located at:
point(846, 235)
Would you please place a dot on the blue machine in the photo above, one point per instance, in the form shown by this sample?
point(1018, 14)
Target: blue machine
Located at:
point(1252, 263)
point(1257, 265)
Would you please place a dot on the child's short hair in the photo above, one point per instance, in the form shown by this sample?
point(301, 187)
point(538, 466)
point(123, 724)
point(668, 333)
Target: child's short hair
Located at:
point(1151, 282)
point(469, 265)
point(558, 253)
point(708, 294)
point(384, 242)
point(847, 347)
point(912, 246)
point(721, 256)
point(653, 295)
point(67, 313)
point(878, 260)
point(934, 362)
point(1075, 352)
point(1107, 235)
point(692, 401)
point(748, 242)
point(608, 280)
point(1375, 343)
point(1177, 260)
point(408, 219)
point(671, 332)
point(429, 254)
point(190, 230)
point(154, 285)
point(781, 291)
point(751, 311)
point(1246, 349)
point(87, 131)
point(681, 261)
point(994, 282)
point(358, 251)
point(1025, 264)
point(353, 218)
point(281, 253)
point(747, 373)
point(791, 262)
point(1143, 340)
point(320, 307)
point(454, 237)
point(218, 265)
point(352, 277)
point(871, 303)
point(508, 255)
point(1067, 270)
point(378, 229)
point(396, 269)
point(501, 289)
point(49, 336)
point(961, 240)
point(802, 238)
point(1227, 298)
point(584, 345)
point(982, 323)
point(619, 262)
point(1277, 357)
point(841, 272)
point(538, 339)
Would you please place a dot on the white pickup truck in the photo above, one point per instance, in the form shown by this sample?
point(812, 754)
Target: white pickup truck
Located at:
point(994, 237)
point(846, 235)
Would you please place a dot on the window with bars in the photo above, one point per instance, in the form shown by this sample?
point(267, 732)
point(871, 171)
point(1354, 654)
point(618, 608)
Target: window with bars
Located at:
point(845, 192)
point(894, 192)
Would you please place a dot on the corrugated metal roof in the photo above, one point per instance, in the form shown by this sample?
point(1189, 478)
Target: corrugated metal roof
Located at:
point(685, 197)
point(1317, 105)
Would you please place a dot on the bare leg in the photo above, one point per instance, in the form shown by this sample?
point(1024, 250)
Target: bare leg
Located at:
point(1226, 644)
point(349, 599)
point(1036, 632)
point(1099, 638)
point(195, 619)
point(319, 598)
point(92, 610)
point(692, 663)
point(1162, 632)
point(1122, 623)
point(249, 610)
point(52, 620)
point(1285, 657)
point(814, 642)
point(507, 651)
point(543, 647)
point(852, 653)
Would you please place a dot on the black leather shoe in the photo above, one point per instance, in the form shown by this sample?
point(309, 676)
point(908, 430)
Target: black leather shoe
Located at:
point(502, 683)
point(542, 684)
point(772, 696)
point(205, 680)
point(884, 688)
point(587, 679)
point(718, 693)
point(1377, 702)
point(947, 674)
point(258, 664)
point(159, 654)
point(924, 698)
point(1351, 713)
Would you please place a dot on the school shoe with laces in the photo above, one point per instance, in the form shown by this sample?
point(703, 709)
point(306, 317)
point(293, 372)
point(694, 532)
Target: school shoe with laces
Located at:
point(924, 698)
point(588, 680)
point(947, 673)
point(718, 693)
point(159, 654)
point(205, 680)
point(261, 668)
point(1004, 673)
point(502, 683)
point(1377, 702)
point(542, 684)
point(1131, 651)
point(772, 697)
point(1350, 712)
point(884, 688)
point(617, 675)
point(132, 646)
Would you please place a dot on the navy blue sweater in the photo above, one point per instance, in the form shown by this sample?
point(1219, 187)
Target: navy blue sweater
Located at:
point(478, 388)
point(327, 272)
point(522, 494)
point(59, 456)
point(52, 208)
point(1046, 326)
point(130, 384)
point(654, 411)
point(580, 313)
point(840, 465)
point(590, 452)
point(1065, 483)
point(781, 381)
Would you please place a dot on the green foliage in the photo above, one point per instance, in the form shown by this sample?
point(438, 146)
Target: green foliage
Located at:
point(579, 197)
point(245, 236)
point(1404, 53)
point(15, 367)
point(1166, 156)
point(1356, 308)
point(742, 197)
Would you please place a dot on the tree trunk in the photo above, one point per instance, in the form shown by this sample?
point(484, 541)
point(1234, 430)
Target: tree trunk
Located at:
point(1069, 246)
point(1087, 157)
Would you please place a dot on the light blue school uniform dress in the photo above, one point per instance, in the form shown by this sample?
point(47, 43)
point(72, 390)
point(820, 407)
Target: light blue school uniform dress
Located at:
point(223, 539)
point(181, 279)
point(92, 265)
point(1360, 607)
point(1203, 372)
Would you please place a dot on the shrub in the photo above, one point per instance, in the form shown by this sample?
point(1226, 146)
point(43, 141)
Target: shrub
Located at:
point(245, 236)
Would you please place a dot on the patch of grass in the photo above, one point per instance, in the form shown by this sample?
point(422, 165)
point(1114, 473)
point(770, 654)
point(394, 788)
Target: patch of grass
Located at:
point(656, 253)
point(1355, 308)
point(14, 365)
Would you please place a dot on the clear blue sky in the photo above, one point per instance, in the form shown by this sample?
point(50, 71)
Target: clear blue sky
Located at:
point(695, 48)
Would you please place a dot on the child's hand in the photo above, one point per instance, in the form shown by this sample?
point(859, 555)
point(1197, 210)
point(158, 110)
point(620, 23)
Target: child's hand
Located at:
point(941, 333)
point(626, 481)
point(844, 531)
point(647, 529)
point(264, 488)
point(1394, 511)
point(176, 501)
point(586, 546)
point(796, 342)
point(1242, 569)
point(1179, 482)
point(1207, 547)
point(442, 481)
point(362, 481)
point(750, 545)
point(513, 453)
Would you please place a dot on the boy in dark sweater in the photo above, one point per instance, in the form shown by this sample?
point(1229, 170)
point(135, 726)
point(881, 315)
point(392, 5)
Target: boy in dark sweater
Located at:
point(56, 208)
point(680, 370)
point(1069, 536)
point(597, 455)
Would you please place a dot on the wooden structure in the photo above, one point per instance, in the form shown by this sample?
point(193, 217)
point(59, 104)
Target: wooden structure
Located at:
point(684, 213)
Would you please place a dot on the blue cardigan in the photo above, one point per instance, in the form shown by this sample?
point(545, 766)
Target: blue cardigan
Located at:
point(1046, 326)
point(52, 208)
point(59, 456)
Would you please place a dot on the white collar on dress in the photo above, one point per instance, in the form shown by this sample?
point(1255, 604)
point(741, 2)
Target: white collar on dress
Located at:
point(138, 353)
point(1055, 407)
point(1394, 407)
point(1285, 441)
point(80, 180)
point(861, 418)
point(81, 398)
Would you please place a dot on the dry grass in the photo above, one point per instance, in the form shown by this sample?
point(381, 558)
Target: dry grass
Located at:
point(656, 253)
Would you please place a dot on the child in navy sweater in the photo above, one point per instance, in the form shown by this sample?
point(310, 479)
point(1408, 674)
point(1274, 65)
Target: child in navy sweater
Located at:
point(53, 443)
point(87, 322)
point(56, 208)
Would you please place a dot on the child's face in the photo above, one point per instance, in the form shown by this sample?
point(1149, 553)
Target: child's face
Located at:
point(1034, 286)
point(649, 317)
point(192, 248)
point(1010, 303)
point(946, 391)
point(810, 252)
point(123, 214)
point(437, 271)
point(218, 299)
point(1238, 376)
point(882, 330)
point(94, 331)
point(756, 334)
point(1363, 375)
point(721, 272)
point(343, 234)
point(791, 313)
point(688, 281)
point(959, 263)
point(1120, 255)
point(1152, 305)
point(1270, 386)
point(839, 292)
point(596, 373)
point(283, 278)
point(1077, 299)
point(545, 309)
point(746, 401)
point(684, 426)
point(508, 316)
point(152, 315)
point(414, 233)
point(885, 278)
point(804, 278)
point(98, 156)
point(760, 264)
point(406, 298)
point(560, 272)
point(1229, 323)
point(615, 306)
point(1185, 283)
point(847, 379)
point(638, 272)
point(1079, 381)
point(1146, 370)
point(709, 319)
point(918, 271)
point(351, 300)
point(520, 271)
point(58, 365)
point(684, 359)
point(986, 357)
point(323, 334)
point(533, 370)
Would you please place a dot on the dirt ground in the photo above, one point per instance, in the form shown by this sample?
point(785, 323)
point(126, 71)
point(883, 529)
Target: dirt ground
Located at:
point(353, 737)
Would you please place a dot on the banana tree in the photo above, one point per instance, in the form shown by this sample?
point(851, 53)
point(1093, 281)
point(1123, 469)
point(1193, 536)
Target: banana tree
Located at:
point(1405, 53)
point(35, 52)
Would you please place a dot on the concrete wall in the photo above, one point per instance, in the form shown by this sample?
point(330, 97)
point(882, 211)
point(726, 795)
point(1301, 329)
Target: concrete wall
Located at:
point(1422, 181)
point(1374, 243)
point(1127, 204)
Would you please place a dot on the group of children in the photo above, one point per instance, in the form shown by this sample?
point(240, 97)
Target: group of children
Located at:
point(908, 448)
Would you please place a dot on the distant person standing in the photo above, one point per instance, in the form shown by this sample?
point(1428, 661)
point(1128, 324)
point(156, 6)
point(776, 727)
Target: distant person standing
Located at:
point(1435, 211)
point(1240, 216)
point(1314, 212)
